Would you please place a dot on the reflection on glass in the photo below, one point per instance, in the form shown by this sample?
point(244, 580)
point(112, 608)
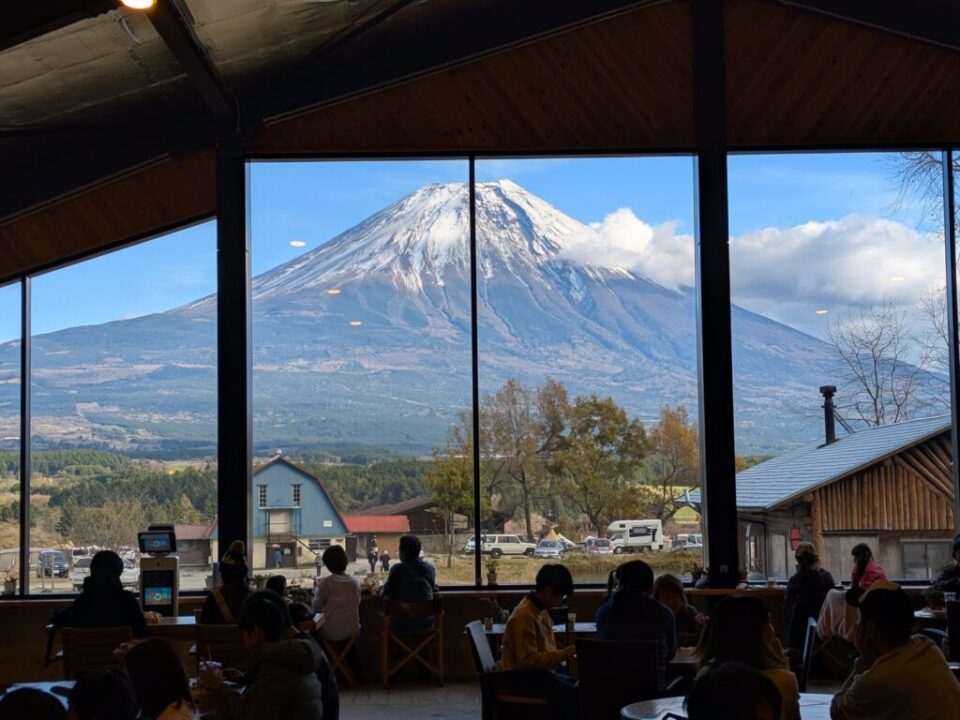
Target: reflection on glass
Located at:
point(124, 408)
point(588, 364)
point(10, 438)
point(840, 360)
point(362, 358)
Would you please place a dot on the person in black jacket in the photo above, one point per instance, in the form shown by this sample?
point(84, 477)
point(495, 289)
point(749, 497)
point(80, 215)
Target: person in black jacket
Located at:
point(103, 601)
point(805, 595)
point(948, 579)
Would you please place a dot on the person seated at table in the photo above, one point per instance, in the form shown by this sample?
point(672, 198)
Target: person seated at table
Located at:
point(158, 680)
point(948, 579)
point(31, 704)
point(733, 691)
point(806, 592)
point(338, 597)
point(934, 599)
point(222, 606)
point(411, 580)
point(837, 617)
point(668, 590)
point(865, 571)
point(631, 614)
point(740, 631)
point(103, 602)
point(898, 676)
point(105, 695)
point(530, 649)
point(283, 681)
point(278, 583)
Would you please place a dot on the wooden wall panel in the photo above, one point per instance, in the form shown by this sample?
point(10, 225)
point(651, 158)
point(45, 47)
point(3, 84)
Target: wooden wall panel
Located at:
point(890, 495)
point(158, 196)
point(624, 83)
point(801, 79)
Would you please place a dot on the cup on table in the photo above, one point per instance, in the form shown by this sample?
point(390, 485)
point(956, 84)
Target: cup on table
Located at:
point(488, 624)
point(771, 582)
point(571, 623)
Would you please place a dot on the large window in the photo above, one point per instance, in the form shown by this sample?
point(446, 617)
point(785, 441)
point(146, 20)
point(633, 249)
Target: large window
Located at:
point(588, 362)
point(840, 359)
point(362, 357)
point(124, 407)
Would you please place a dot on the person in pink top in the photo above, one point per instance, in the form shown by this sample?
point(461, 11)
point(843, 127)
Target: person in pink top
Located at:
point(865, 571)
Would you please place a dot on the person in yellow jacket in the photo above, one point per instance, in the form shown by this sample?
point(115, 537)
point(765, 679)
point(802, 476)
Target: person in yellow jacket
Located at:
point(530, 650)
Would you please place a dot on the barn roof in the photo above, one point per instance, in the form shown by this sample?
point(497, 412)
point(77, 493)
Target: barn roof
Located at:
point(422, 502)
point(377, 524)
point(790, 475)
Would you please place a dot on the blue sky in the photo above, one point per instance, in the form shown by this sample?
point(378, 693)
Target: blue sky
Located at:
point(312, 202)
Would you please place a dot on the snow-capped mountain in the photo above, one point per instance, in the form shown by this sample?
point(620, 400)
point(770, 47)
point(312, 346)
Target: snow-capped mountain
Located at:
point(366, 339)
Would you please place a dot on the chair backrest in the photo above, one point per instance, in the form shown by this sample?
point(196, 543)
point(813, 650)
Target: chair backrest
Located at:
point(413, 610)
point(614, 674)
point(224, 644)
point(809, 639)
point(482, 654)
point(953, 629)
point(89, 650)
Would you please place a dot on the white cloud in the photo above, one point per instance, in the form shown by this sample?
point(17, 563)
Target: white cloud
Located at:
point(622, 240)
point(784, 273)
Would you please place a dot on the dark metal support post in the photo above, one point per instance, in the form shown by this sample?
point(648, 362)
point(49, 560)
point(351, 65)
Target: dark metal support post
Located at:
point(25, 375)
point(950, 248)
point(234, 377)
point(475, 368)
point(714, 345)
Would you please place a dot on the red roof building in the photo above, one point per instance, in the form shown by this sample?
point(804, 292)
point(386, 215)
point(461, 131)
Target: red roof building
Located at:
point(358, 524)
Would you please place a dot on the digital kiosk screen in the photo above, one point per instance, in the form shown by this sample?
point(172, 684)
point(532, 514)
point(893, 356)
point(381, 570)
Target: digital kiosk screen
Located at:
point(158, 588)
point(157, 542)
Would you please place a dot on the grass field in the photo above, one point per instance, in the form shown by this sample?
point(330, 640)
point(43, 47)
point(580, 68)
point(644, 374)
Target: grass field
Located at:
point(584, 568)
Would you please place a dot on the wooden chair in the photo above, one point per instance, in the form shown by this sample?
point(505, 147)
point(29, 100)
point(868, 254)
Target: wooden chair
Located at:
point(806, 662)
point(90, 650)
point(614, 674)
point(495, 703)
point(413, 644)
point(338, 658)
point(224, 644)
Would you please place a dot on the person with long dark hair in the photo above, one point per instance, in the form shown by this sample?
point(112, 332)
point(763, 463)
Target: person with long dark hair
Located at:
point(865, 570)
point(805, 595)
point(158, 680)
point(740, 632)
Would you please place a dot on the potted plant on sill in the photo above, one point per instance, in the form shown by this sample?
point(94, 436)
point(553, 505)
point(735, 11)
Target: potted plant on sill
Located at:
point(491, 566)
point(10, 585)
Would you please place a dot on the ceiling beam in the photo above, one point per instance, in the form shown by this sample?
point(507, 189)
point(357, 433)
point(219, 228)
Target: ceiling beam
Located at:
point(420, 39)
point(23, 21)
point(174, 24)
point(932, 21)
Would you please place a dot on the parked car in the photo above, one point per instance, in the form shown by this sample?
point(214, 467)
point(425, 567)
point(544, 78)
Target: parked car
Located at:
point(52, 563)
point(597, 546)
point(130, 578)
point(549, 549)
point(499, 545)
point(472, 543)
point(688, 545)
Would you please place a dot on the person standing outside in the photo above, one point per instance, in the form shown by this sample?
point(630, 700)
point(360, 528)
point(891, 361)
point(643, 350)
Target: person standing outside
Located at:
point(373, 553)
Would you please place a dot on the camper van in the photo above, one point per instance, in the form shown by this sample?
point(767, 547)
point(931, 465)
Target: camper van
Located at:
point(635, 535)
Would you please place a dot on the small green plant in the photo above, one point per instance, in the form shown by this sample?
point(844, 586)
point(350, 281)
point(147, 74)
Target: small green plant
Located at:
point(491, 564)
point(495, 611)
point(260, 580)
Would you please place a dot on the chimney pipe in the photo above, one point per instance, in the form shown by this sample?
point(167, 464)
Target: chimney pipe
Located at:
point(829, 427)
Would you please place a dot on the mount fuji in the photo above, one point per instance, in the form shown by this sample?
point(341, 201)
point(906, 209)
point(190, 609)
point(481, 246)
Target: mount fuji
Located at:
point(366, 340)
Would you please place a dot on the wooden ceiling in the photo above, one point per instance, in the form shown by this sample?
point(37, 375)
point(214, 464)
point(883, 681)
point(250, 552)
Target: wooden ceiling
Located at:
point(795, 80)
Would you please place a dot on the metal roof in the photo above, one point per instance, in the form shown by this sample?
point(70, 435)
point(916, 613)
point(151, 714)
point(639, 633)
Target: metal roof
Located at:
point(788, 476)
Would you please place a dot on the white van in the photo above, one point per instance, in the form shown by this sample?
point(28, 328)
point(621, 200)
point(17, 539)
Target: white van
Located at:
point(635, 535)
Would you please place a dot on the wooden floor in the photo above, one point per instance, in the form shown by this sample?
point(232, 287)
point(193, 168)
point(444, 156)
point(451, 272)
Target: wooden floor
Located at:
point(406, 702)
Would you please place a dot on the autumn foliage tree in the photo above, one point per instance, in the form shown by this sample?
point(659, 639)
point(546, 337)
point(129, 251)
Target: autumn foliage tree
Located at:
point(674, 456)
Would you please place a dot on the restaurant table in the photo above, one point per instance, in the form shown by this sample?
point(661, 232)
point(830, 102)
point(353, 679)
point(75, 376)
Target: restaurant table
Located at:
point(813, 706)
point(497, 630)
point(183, 627)
point(927, 618)
point(685, 662)
point(60, 689)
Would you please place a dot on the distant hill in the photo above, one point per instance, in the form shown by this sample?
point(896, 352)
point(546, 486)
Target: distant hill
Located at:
point(398, 380)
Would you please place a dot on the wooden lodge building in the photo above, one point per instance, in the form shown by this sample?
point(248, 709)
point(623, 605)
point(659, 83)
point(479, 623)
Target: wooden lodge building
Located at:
point(888, 486)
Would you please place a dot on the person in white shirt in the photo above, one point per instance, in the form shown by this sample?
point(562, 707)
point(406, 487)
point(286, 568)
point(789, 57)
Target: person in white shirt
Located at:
point(897, 677)
point(337, 596)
